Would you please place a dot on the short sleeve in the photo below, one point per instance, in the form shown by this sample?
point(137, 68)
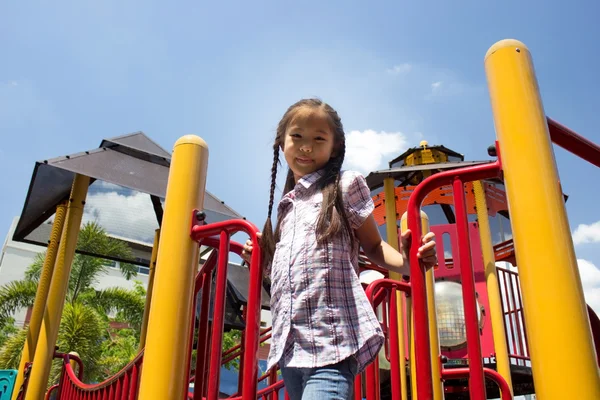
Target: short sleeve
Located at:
point(357, 198)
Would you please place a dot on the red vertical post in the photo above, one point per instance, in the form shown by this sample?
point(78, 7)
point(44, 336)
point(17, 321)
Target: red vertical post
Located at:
point(394, 345)
point(252, 333)
point(218, 318)
point(476, 379)
point(202, 351)
point(419, 300)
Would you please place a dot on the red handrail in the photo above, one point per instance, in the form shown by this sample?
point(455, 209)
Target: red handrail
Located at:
point(417, 272)
point(121, 386)
point(571, 141)
point(378, 291)
point(490, 373)
point(204, 235)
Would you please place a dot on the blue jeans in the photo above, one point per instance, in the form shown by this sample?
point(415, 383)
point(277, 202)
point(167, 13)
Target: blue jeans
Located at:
point(331, 382)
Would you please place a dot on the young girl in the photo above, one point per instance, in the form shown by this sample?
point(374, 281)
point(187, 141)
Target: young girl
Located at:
point(325, 331)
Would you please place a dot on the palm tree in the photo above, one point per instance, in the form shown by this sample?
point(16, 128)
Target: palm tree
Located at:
point(85, 321)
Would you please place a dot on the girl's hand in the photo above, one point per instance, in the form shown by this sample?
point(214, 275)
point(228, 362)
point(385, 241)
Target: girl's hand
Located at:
point(426, 252)
point(247, 252)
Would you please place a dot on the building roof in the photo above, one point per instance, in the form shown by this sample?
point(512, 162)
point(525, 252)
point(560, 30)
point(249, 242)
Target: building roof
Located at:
point(131, 161)
point(375, 179)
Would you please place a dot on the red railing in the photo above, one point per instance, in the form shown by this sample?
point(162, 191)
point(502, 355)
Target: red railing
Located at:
point(122, 386)
point(423, 366)
point(514, 320)
point(574, 143)
point(385, 292)
point(209, 355)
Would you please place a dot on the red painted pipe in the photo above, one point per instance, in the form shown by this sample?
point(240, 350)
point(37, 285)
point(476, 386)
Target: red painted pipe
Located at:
point(459, 373)
point(476, 379)
point(203, 282)
point(216, 341)
point(417, 272)
point(574, 143)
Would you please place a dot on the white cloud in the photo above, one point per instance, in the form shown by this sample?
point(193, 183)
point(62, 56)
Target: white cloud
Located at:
point(126, 216)
point(399, 69)
point(587, 233)
point(590, 279)
point(435, 86)
point(107, 185)
point(365, 151)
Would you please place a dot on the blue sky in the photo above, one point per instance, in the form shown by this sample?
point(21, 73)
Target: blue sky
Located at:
point(73, 73)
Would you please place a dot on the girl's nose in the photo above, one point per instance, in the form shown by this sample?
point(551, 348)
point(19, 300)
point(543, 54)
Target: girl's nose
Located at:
point(306, 149)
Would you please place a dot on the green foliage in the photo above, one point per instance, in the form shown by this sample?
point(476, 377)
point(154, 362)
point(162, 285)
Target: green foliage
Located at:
point(86, 314)
point(232, 339)
point(8, 330)
point(10, 355)
point(118, 350)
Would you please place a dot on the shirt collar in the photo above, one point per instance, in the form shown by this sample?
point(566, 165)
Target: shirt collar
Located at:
point(309, 179)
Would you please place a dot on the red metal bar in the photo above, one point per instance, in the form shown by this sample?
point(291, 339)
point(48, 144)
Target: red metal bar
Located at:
point(202, 233)
point(476, 379)
point(358, 387)
point(508, 310)
point(574, 143)
point(516, 307)
point(459, 373)
point(242, 354)
point(518, 288)
point(203, 281)
point(417, 272)
point(72, 388)
point(394, 347)
point(218, 318)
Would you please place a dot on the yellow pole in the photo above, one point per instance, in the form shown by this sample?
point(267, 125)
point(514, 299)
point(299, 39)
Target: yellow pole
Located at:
point(149, 291)
point(57, 293)
point(493, 289)
point(559, 336)
point(74, 363)
point(41, 295)
point(391, 217)
point(167, 341)
point(434, 340)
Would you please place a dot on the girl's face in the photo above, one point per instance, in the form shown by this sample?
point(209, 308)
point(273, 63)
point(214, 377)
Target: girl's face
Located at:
point(308, 142)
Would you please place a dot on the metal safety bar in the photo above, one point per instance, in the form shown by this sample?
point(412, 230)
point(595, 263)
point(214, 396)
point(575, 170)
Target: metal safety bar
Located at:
point(514, 321)
point(574, 143)
point(377, 292)
point(423, 367)
point(121, 386)
point(458, 373)
point(204, 234)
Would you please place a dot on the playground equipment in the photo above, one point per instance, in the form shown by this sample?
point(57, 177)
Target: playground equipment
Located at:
point(548, 286)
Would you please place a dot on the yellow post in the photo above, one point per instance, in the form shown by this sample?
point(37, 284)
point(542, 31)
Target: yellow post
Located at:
point(559, 336)
point(74, 363)
point(41, 295)
point(434, 339)
point(391, 217)
point(493, 289)
point(167, 341)
point(149, 291)
point(57, 293)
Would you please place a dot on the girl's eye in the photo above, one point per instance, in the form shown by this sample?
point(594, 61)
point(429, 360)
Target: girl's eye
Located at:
point(320, 139)
point(295, 135)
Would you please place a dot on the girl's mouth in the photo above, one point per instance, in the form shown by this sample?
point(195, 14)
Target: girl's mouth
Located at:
point(301, 160)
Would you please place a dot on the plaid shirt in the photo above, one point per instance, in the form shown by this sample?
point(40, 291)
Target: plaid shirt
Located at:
point(320, 312)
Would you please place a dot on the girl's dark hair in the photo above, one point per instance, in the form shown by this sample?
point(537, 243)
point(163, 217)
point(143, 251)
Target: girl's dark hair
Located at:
point(332, 218)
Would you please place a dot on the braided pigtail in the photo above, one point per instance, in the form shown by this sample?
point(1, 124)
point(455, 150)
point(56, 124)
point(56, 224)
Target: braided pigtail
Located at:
point(267, 243)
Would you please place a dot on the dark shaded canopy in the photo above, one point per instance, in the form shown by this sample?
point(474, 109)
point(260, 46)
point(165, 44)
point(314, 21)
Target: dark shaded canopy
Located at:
point(131, 161)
